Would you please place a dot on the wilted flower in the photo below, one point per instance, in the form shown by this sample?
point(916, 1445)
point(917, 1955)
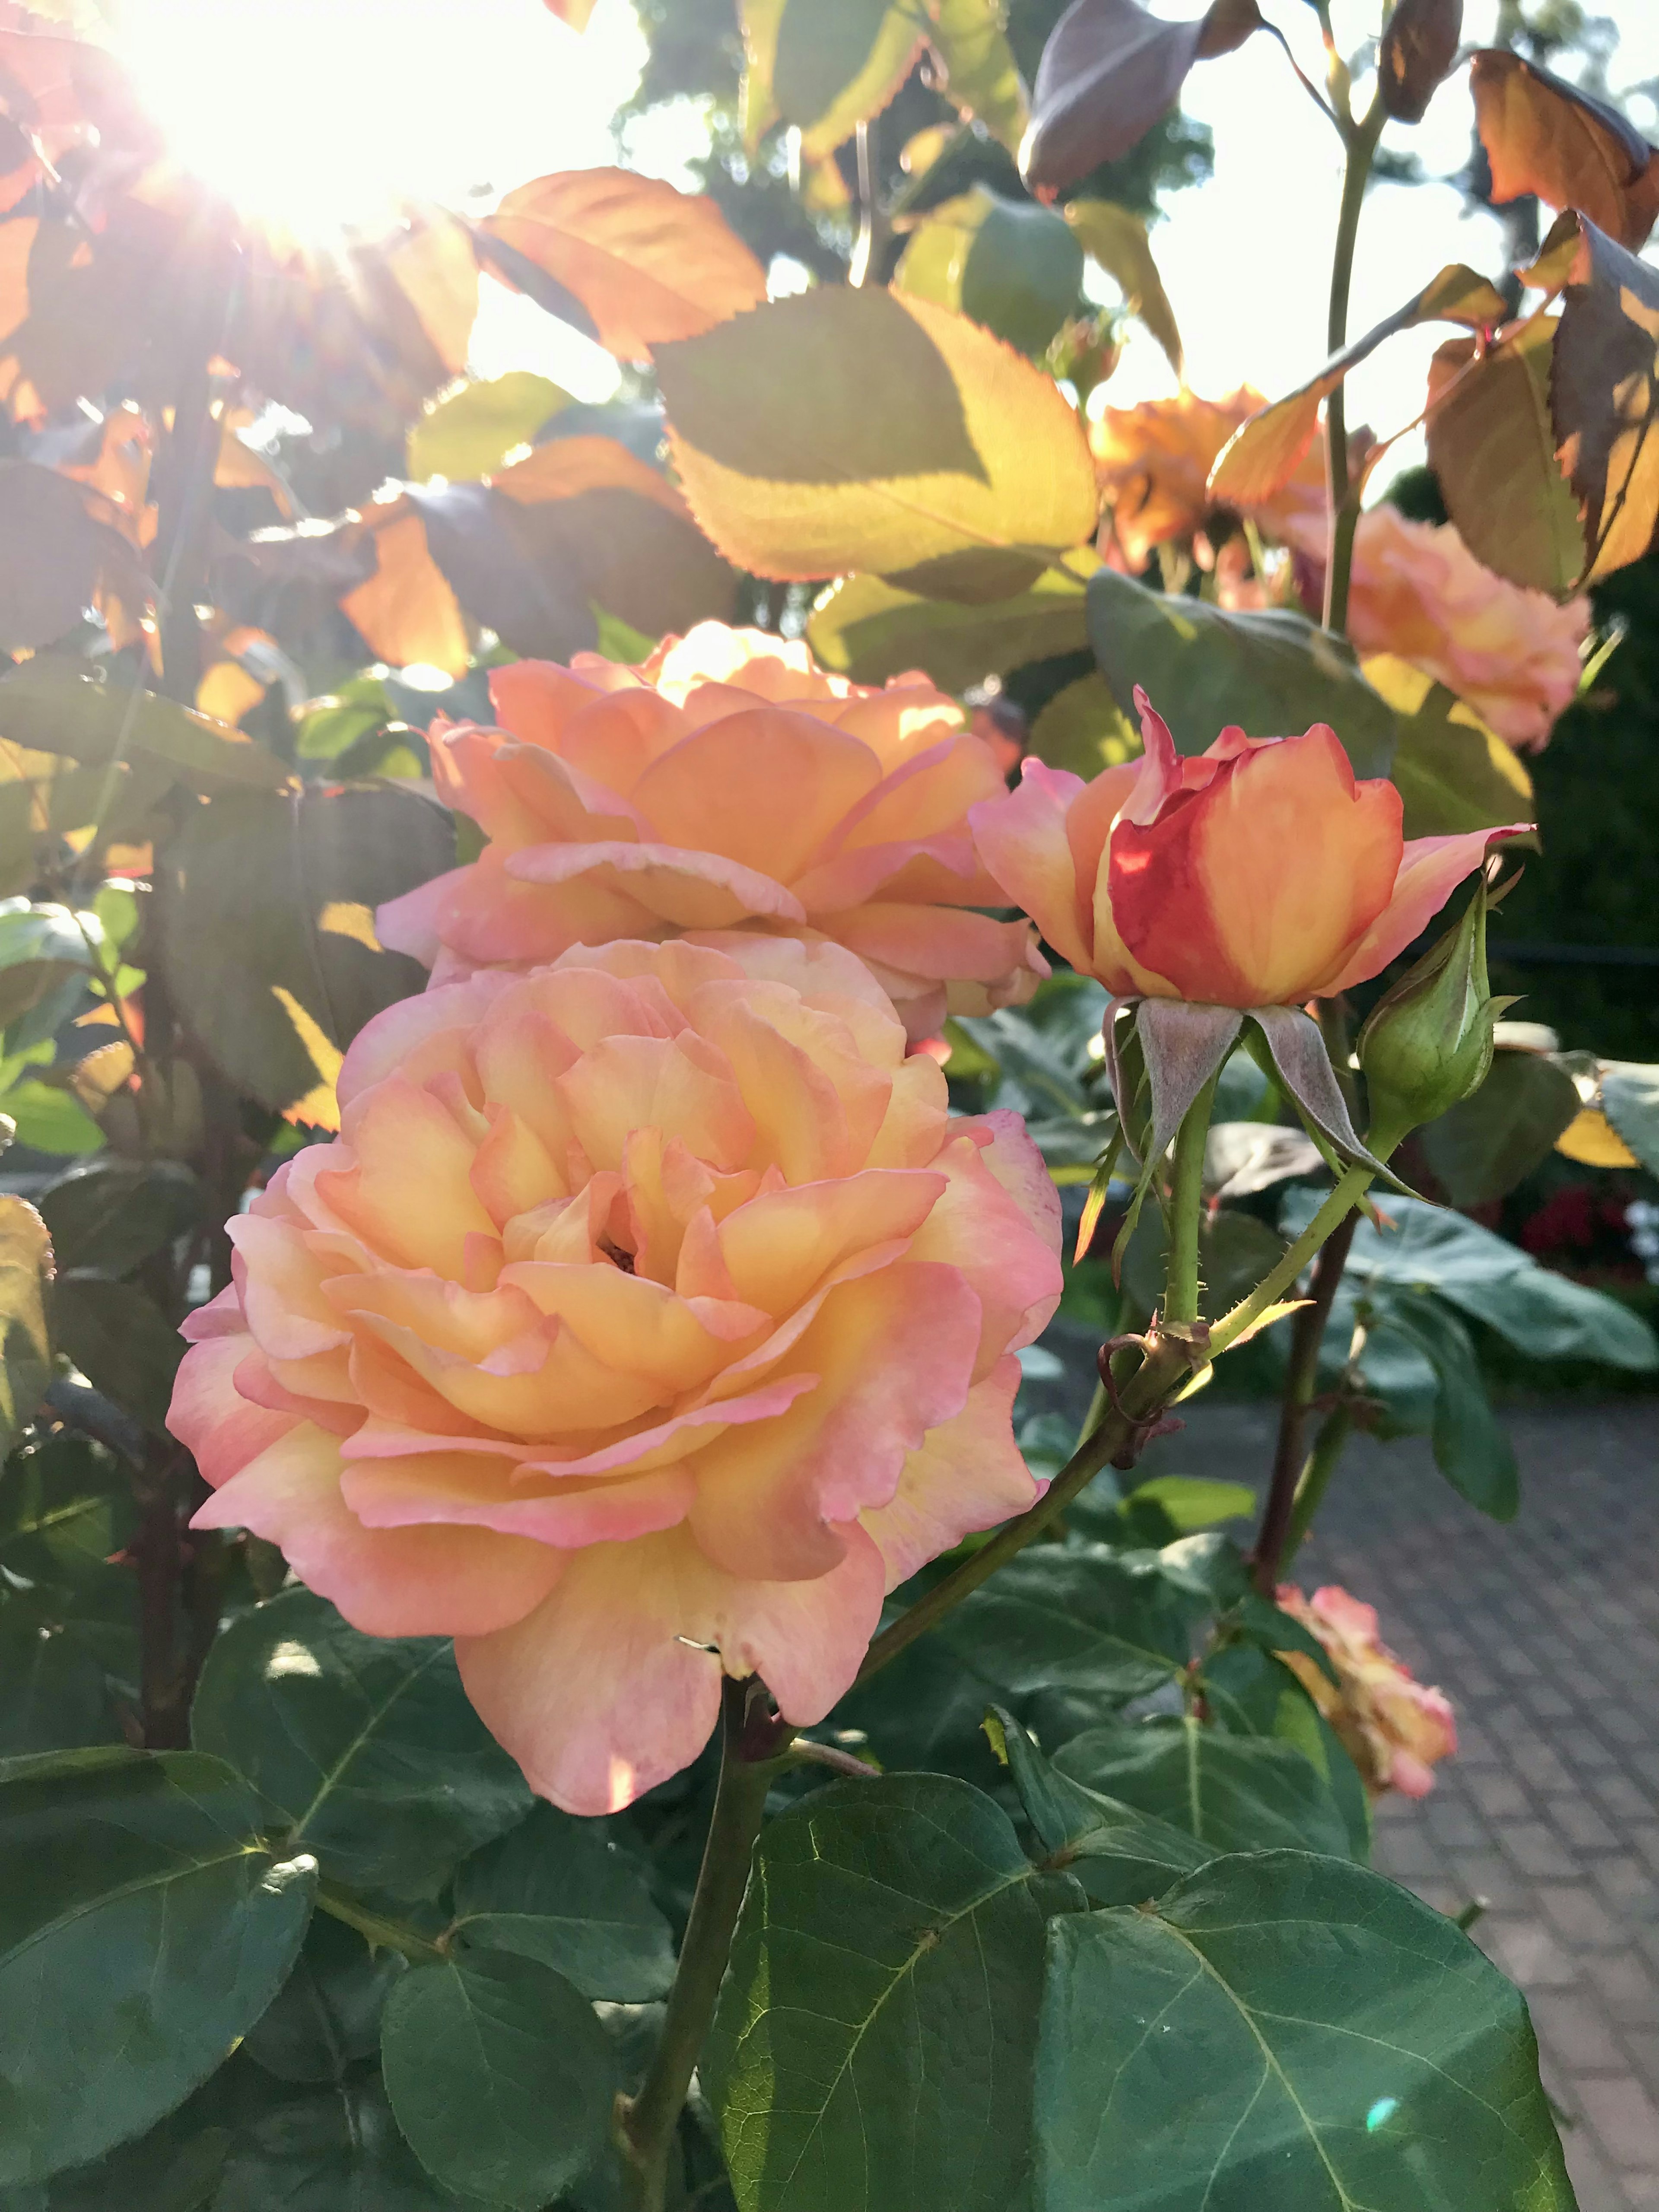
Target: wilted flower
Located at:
point(1153, 464)
point(727, 782)
point(1419, 593)
point(649, 1319)
point(1394, 1729)
point(1259, 874)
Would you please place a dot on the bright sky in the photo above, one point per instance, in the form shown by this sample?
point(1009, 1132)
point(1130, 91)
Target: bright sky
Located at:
point(437, 100)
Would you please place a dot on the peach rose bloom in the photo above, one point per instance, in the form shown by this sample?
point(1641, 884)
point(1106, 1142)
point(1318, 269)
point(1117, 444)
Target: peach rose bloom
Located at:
point(649, 1319)
point(727, 782)
point(1153, 463)
point(1419, 593)
point(1393, 1727)
point(1261, 874)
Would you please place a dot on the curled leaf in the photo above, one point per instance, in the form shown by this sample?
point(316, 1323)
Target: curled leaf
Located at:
point(1545, 136)
point(1416, 54)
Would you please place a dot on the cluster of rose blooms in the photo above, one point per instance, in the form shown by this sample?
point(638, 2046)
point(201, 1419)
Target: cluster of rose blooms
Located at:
point(651, 1316)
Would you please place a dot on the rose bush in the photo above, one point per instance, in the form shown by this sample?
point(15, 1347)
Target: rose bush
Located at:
point(1261, 874)
point(728, 782)
point(648, 1318)
point(1395, 1728)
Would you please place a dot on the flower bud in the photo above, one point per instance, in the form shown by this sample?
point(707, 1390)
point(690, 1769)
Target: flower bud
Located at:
point(1428, 1042)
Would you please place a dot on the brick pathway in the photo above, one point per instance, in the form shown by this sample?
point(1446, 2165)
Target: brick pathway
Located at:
point(1544, 1635)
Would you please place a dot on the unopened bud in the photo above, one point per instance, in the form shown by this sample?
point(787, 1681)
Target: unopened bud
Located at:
point(1428, 1042)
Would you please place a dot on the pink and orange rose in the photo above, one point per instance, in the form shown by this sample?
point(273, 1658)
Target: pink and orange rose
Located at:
point(649, 1319)
point(726, 783)
point(1261, 874)
point(1393, 1728)
point(1153, 464)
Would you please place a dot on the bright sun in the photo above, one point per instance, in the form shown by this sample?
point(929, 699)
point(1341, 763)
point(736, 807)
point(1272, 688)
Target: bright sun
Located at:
point(324, 113)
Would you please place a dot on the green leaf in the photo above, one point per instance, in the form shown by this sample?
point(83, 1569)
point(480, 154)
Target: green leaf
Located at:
point(500, 2076)
point(1273, 674)
point(1486, 1145)
point(365, 1745)
point(824, 69)
point(49, 1119)
point(1234, 1793)
point(326, 2015)
point(471, 432)
point(1075, 1617)
point(333, 2149)
point(1011, 265)
point(981, 77)
point(1119, 1856)
point(57, 707)
point(144, 1926)
point(1083, 728)
point(64, 1507)
point(1195, 1502)
point(1492, 446)
point(1115, 237)
point(1323, 2040)
point(870, 629)
point(873, 2048)
point(54, 1687)
point(25, 1349)
point(267, 937)
point(553, 1888)
point(1630, 1099)
point(1451, 772)
point(1491, 1281)
point(1470, 1448)
point(854, 428)
point(120, 1341)
point(111, 1213)
point(1253, 1694)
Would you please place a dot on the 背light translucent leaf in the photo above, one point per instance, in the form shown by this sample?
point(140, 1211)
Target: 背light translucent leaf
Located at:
point(870, 629)
point(1287, 2031)
point(1203, 668)
point(25, 1348)
point(500, 2076)
point(56, 707)
point(553, 1888)
point(1492, 446)
point(1545, 136)
point(1451, 772)
point(1009, 265)
point(145, 1924)
point(859, 428)
point(1116, 238)
point(1084, 729)
point(267, 929)
point(981, 77)
point(646, 262)
point(473, 430)
point(824, 66)
point(365, 1747)
point(1234, 1793)
point(1605, 366)
point(873, 2047)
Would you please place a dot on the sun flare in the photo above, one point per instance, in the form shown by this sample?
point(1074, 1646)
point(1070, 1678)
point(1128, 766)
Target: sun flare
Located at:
point(324, 114)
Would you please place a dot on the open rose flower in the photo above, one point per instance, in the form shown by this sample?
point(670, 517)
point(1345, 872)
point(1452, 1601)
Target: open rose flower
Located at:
point(648, 1318)
point(1393, 1728)
point(1418, 592)
point(727, 782)
point(1153, 463)
point(1261, 874)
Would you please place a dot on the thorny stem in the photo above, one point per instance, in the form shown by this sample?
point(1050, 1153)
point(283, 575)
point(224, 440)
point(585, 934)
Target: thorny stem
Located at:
point(751, 1740)
point(1163, 1374)
point(1334, 1433)
point(1307, 1334)
point(1361, 140)
point(1185, 1205)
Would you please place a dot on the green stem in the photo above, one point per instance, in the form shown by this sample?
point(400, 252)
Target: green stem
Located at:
point(1362, 139)
point(1334, 1433)
point(1181, 1289)
point(645, 2123)
point(1267, 1293)
point(1301, 1381)
point(381, 1934)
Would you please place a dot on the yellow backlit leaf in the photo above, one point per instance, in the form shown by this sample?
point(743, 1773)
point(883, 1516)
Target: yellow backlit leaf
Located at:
point(320, 1108)
point(347, 918)
point(406, 611)
point(1591, 1139)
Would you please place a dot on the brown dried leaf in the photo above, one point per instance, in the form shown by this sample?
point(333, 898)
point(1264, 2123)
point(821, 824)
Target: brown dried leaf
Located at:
point(1416, 54)
point(646, 263)
point(1491, 445)
point(1544, 135)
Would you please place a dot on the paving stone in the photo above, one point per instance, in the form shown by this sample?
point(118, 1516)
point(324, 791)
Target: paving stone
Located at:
point(1623, 2116)
point(1576, 2032)
point(1581, 1916)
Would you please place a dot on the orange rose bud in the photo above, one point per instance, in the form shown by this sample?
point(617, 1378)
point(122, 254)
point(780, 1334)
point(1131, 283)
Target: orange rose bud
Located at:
point(726, 783)
point(1392, 1726)
point(1262, 873)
